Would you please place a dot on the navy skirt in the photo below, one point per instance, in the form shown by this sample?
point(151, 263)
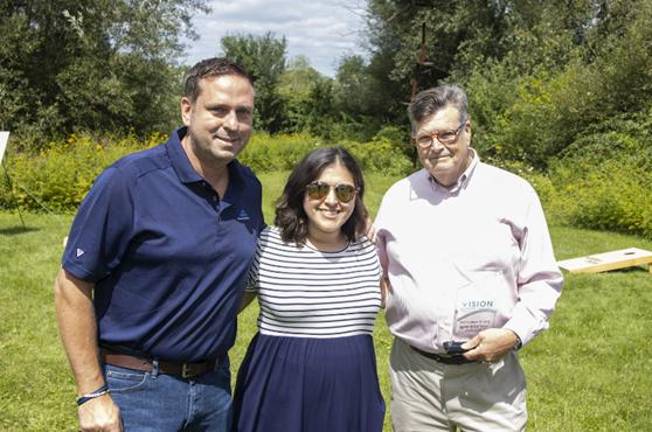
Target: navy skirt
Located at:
point(295, 384)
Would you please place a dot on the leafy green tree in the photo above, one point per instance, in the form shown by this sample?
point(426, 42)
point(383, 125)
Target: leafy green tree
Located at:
point(359, 98)
point(320, 116)
point(533, 110)
point(296, 86)
point(539, 74)
point(356, 90)
point(101, 65)
point(420, 44)
point(264, 58)
point(417, 44)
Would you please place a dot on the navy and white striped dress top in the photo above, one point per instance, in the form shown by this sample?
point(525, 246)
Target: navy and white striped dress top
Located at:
point(304, 292)
point(311, 366)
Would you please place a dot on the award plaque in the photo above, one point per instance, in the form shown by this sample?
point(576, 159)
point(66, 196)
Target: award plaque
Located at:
point(468, 323)
point(476, 307)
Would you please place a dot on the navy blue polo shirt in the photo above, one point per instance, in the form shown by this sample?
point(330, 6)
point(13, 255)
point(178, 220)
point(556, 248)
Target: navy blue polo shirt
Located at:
point(168, 257)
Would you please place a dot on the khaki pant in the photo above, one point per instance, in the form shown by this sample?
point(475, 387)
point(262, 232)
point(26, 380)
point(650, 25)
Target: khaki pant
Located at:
point(475, 397)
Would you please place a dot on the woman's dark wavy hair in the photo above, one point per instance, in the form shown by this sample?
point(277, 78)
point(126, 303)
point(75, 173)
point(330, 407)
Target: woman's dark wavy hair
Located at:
point(290, 216)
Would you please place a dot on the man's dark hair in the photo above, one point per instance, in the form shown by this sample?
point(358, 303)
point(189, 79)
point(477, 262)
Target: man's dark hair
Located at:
point(290, 215)
point(428, 102)
point(212, 67)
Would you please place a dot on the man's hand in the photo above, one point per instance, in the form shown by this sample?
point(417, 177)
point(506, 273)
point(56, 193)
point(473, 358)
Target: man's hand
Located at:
point(370, 230)
point(100, 414)
point(78, 328)
point(490, 345)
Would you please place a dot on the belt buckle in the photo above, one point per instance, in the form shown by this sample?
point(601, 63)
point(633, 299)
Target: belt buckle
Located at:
point(186, 371)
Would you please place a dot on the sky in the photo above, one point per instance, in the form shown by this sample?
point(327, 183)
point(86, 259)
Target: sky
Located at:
point(324, 31)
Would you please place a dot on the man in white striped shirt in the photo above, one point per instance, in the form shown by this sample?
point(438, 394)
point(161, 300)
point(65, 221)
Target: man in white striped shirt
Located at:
point(468, 257)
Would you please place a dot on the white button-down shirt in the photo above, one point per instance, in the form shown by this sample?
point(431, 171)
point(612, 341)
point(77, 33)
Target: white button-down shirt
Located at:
point(461, 259)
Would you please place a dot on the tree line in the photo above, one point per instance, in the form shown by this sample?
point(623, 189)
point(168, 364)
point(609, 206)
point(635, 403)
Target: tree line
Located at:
point(542, 76)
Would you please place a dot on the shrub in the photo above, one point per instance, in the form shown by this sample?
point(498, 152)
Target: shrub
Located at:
point(604, 181)
point(380, 155)
point(266, 153)
point(58, 177)
point(384, 153)
point(533, 113)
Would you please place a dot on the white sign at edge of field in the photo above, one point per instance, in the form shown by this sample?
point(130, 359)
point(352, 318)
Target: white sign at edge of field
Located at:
point(4, 137)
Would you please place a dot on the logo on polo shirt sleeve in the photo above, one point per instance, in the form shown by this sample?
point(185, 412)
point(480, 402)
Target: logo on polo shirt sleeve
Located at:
point(242, 216)
point(79, 252)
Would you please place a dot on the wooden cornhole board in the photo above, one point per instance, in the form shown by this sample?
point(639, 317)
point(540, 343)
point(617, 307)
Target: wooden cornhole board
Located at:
point(613, 260)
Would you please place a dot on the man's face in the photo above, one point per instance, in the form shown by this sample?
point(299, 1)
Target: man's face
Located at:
point(445, 162)
point(220, 120)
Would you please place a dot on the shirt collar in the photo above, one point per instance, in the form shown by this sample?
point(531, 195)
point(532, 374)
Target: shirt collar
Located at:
point(463, 180)
point(179, 159)
point(182, 165)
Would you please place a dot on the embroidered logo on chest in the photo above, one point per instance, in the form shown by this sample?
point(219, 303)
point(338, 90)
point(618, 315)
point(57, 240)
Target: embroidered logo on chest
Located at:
point(243, 216)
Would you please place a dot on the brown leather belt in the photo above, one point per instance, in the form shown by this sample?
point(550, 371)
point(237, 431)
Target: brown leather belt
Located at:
point(184, 370)
point(455, 359)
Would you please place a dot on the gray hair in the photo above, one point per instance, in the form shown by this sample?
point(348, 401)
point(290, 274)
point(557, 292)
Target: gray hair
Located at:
point(428, 102)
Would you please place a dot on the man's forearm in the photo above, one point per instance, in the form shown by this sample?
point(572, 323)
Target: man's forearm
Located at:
point(78, 329)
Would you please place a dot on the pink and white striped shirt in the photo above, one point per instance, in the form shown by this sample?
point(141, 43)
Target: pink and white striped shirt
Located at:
point(464, 258)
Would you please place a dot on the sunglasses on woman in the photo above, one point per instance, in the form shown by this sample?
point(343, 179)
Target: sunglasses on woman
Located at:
point(318, 190)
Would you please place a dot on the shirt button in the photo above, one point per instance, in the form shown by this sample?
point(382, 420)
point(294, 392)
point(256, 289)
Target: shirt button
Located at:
point(215, 198)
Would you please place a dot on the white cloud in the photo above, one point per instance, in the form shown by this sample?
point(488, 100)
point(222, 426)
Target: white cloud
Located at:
point(322, 30)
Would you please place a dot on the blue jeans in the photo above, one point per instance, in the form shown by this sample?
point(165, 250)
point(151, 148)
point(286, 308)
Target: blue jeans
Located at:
point(151, 401)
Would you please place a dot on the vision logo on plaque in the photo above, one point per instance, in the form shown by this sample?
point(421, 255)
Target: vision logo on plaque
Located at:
point(476, 307)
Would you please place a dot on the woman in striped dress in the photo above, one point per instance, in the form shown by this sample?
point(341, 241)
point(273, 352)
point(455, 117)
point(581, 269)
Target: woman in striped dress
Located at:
point(311, 367)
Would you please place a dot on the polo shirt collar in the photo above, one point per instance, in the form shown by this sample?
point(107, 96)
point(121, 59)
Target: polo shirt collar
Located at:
point(179, 159)
point(236, 182)
point(183, 167)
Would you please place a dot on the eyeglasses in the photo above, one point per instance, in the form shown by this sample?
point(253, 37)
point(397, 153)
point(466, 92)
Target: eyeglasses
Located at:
point(446, 138)
point(318, 190)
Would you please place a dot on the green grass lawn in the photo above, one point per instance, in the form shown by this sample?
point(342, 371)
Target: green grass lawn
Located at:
point(590, 372)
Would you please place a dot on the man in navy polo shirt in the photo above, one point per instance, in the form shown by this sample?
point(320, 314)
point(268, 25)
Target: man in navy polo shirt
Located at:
point(155, 266)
